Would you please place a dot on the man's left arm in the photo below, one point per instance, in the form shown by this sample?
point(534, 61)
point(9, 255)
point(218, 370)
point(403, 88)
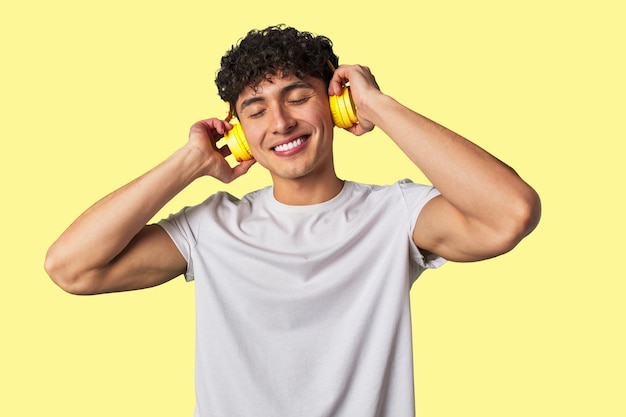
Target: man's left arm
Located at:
point(485, 208)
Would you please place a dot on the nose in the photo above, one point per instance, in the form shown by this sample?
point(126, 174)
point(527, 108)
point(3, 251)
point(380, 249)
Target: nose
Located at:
point(282, 119)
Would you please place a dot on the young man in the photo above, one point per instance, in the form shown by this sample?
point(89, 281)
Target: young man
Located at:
point(302, 288)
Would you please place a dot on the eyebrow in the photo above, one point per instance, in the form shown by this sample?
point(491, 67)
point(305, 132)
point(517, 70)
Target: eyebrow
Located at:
point(293, 86)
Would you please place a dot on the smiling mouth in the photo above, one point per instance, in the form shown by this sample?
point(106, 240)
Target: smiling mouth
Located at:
point(290, 145)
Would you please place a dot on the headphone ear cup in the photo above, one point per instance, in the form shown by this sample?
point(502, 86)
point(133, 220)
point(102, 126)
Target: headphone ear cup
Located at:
point(237, 143)
point(342, 109)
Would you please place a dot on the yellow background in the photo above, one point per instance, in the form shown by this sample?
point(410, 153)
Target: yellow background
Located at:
point(94, 93)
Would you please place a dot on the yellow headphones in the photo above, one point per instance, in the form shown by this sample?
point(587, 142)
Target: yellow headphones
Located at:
point(342, 110)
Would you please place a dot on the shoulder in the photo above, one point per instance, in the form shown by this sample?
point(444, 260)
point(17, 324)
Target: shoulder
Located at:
point(404, 189)
point(398, 202)
point(217, 206)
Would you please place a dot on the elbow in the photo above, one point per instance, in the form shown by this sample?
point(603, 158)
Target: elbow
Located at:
point(59, 272)
point(523, 217)
point(54, 269)
point(528, 213)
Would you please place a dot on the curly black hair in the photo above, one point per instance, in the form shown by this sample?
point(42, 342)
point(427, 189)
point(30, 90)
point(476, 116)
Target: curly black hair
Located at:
point(274, 51)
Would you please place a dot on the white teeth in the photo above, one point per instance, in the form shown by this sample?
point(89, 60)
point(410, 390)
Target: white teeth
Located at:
point(290, 145)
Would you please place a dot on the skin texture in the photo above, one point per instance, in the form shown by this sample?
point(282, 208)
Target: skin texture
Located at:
point(289, 110)
point(484, 210)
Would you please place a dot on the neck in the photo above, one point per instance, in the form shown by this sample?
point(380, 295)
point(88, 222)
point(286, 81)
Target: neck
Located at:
point(307, 191)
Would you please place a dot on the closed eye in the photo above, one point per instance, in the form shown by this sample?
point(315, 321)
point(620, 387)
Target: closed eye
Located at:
point(256, 114)
point(301, 100)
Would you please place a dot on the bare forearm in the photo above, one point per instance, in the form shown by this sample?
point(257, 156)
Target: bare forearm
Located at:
point(479, 185)
point(106, 228)
point(485, 208)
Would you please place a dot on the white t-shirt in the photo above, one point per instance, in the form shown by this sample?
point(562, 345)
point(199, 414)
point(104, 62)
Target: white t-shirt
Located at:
point(304, 310)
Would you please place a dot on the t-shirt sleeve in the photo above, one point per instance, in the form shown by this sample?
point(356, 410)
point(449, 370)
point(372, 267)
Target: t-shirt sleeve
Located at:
point(182, 228)
point(415, 197)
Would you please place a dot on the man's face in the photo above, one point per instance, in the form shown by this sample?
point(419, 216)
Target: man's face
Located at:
point(288, 126)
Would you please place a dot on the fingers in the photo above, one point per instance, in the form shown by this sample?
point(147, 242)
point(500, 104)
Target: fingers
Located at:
point(211, 128)
point(362, 85)
point(359, 129)
point(205, 136)
point(242, 167)
point(229, 174)
point(335, 85)
point(358, 76)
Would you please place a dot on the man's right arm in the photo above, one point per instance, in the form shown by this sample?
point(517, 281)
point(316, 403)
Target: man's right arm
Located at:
point(111, 248)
